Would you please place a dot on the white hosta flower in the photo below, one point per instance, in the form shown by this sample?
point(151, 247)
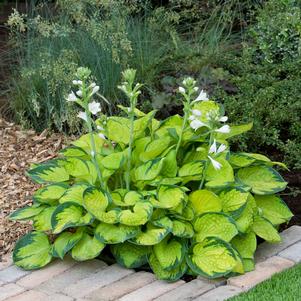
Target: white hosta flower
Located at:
point(77, 82)
point(191, 117)
point(202, 96)
point(92, 85)
point(215, 164)
point(72, 97)
point(221, 148)
point(100, 128)
point(102, 136)
point(195, 89)
point(224, 129)
point(196, 124)
point(95, 90)
point(223, 119)
point(79, 93)
point(92, 153)
point(94, 107)
point(83, 116)
point(213, 148)
point(197, 113)
point(182, 90)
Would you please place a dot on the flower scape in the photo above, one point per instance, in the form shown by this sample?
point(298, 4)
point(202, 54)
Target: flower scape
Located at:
point(167, 195)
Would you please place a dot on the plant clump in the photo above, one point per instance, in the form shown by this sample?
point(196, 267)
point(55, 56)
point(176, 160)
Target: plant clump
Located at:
point(140, 187)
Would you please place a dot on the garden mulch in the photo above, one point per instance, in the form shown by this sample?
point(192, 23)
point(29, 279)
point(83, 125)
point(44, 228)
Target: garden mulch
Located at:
point(19, 149)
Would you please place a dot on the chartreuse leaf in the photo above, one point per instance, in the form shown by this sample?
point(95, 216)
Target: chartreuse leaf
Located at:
point(264, 229)
point(207, 108)
point(74, 194)
point(155, 148)
point(170, 166)
point(32, 251)
point(182, 229)
point(42, 221)
point(118, 129)
point(164, 222)
point(238, 160)
point(248, 264)
point(95, 201)
point(214, 224)
point(114, 234)
point(170, 275)
point(129, 255)
point(245, 244)
point(191, 171)
point(169, 196)
point(48, 173)
point(50, 193)
point(81, 169)
point(221, 177)
point(139, 215)
point(235, 130)
point(205, 201)
point(69, 215)
point(149, 170)
point(169, 252)
point(87, 248)
point(150, 236)
point(245, 219)
point(113, 161)
point(65, 242)
point(73, 151)
point(212, 258)
point(123, 198)
point(26, 212)
point(84, 142)
point(233, 200)
point(273, 209)
point(261, 179)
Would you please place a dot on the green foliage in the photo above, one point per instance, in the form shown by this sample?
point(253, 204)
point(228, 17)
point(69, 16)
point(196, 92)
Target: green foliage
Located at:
point(167, 194)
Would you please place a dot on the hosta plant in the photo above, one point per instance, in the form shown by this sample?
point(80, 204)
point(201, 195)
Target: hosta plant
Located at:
point(167, 194)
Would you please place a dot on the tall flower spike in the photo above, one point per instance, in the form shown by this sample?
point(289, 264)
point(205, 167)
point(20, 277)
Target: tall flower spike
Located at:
point(212, 149)
point(182, 90)
point(215, 164)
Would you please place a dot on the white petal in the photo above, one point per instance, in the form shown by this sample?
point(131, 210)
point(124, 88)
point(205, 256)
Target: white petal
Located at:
point(196, 113)
point(83, 116)
point(196, 124)
point(94, 107)
point(202, 96)
point(212, 149)
point(191, 117)
point(223, 119)
point(221, 148)
point(182, 90)
point(100, 128)
point(196, 89)
point(79, 93)
point(72, 97)
point(102, 136)
point(92, 153)
point(95, 90)
point(224, 129)
point(92, 85)
point(215, 164)
point(74, 82)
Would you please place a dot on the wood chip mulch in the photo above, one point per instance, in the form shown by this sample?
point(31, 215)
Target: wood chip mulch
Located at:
point(18, 149)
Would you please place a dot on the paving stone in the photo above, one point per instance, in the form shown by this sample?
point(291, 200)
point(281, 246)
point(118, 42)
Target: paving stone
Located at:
point(151, 291)
point(100, 279)
point(288, 237)
point(187, 291)
point(220, 293)
point(1, 283)
point(292, 253)
point(122, 287)
point(9, 290)
point(263, 271)
point(12, 274)
point(76, 273)
point(216, 282)
point(58, 297)
point(6, 261)
point(30, 295)
point(55, 268)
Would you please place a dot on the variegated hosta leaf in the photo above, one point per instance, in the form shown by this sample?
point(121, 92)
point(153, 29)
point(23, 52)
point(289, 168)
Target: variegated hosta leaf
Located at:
point(249, 264)
point(264, 229)
point(139, 215)
point(191, 171)
point(149, 170)
point(170, 167)
point(87, 248)
point(221, 177)
point(170, 275)
point(170, 252)
point(245, 244)
point(155, 148)
point(48, 173)
point(74, 194)
point(95, 201)
point(239, 267)
point(114, 234)
point(123, 198)
point(261, 179)
point(113, 161)
point(50, 193)
point(69, 215)
point(170, 196)
point(214, 225)
point(81, 169)
point(245, 220)
point(233, 201)
point(118, 129)
point(65, 242)
point(151, 236)
point(74, 151)
point(273, 209)
point(129, 255)
point(182, 229)
point(212, 258)
point(32, 251)
point(205, 201)
point(26, 212)
point(238, 160)
point(163, 222)
point(42, 221)
point(84, 142)
point(185, 213)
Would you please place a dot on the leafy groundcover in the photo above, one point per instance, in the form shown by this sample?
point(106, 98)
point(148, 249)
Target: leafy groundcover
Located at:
point(169, 194)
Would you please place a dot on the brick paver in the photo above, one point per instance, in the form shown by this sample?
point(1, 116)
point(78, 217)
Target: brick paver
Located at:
point(96, 281)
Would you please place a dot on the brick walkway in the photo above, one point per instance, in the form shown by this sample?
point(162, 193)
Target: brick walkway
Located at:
point(94, 280)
